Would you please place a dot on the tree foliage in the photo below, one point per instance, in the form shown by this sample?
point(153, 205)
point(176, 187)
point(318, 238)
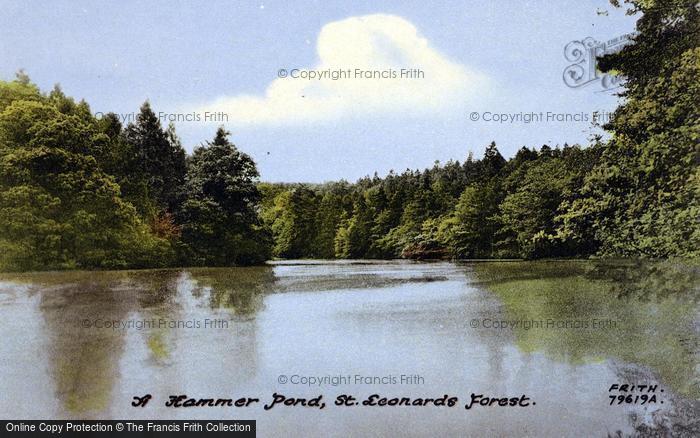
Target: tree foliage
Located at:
point(220, 217)
point(77, 191)
point(641, 198)
point(58, 209)
point(636, 194)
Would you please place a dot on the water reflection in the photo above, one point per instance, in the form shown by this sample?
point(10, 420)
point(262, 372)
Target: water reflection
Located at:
point(90, 319)
point(217, 332)
point(84, 368)
point(648, 281)
point(636, 318)
point(640, 313)
point(238, 290)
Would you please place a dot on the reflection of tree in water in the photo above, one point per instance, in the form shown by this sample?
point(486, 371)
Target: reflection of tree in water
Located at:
point(653, 329)
point(498, 272)
point(84, 360)
point(157, 288)
point(157, 299)
point(645, 281)
point(238, 290)
point(677, 417)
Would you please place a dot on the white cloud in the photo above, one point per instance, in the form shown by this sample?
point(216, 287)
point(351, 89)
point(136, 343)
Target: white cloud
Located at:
point(368, 43)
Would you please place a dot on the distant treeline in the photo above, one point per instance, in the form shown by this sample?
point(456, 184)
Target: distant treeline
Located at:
point(488, 208)
point(79, 191)
point(540, 203)
point(635, 194)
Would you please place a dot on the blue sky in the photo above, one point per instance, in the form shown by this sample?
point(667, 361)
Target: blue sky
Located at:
point(186, 57)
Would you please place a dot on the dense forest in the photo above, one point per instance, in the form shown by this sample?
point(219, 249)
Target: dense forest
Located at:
point(635, 194)
point(78, 191)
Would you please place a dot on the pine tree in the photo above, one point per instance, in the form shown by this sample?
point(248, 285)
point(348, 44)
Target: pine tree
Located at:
point(220, 223)
point(158, 157)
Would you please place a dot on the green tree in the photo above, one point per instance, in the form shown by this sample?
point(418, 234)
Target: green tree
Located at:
point(330, 212)
point(292, 220)
point(470, 230)
point(157, 157)
point(58, 209)
point(359, 230)
point(492, 163)
point(528, 215)
point(220, 222)
point(642, 196)
point(19, 89)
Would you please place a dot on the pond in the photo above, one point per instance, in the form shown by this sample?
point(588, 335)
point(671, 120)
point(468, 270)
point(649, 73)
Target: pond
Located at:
point(555, 335)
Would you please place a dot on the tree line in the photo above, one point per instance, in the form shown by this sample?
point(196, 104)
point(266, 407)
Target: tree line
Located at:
point(78, 191)
point(634, 194)
point(487, 208)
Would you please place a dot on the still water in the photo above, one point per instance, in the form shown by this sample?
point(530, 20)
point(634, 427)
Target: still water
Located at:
point(82, 344)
